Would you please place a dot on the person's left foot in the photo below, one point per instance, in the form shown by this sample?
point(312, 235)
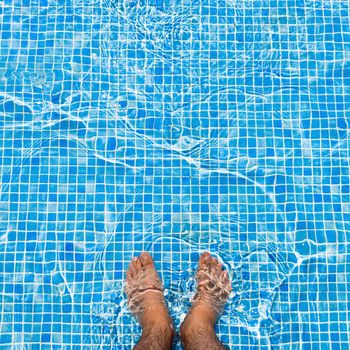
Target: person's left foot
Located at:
point(213, 290)
point(144, 290)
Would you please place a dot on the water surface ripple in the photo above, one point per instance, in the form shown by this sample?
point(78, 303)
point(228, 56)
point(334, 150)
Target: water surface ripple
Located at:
point(174, 127)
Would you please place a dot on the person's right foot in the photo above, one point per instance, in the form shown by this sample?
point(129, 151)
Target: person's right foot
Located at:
point(144, 290)
point(214, 288)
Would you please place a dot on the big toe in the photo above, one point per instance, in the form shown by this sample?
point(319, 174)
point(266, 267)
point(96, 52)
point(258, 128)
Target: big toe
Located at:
point(204, 261)
point(218, 270)
point(138, 266)
point(147, 261)
point(214, 265)
point(135, 266)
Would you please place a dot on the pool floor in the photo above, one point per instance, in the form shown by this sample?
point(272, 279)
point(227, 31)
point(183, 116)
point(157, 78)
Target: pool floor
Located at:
point(174, 127)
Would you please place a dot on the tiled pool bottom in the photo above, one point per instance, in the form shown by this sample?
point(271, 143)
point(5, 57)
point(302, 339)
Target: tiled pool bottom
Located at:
point(174, 127)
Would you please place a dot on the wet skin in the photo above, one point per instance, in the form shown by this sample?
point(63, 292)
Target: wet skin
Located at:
point(146, 301)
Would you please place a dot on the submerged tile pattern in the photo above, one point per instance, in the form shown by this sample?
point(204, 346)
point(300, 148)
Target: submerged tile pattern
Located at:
point(174, 127)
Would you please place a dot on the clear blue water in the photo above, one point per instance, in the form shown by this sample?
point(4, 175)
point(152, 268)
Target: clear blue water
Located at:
point(174, 127)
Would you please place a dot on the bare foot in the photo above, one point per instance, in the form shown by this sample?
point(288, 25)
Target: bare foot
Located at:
point(214, 288)
point(146, 301)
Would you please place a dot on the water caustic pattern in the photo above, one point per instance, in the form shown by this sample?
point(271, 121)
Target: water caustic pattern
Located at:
point(174, 127)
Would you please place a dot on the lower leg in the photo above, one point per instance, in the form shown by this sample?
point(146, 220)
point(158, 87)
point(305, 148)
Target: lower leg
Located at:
point(157, 331)
point(197, 331)
point(155, 338)
point(146, 301)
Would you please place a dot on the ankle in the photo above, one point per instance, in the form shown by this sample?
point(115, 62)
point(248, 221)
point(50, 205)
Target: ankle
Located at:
point(158, 318)
point(157, 336)
point(202, 314)
point(165, 329)
point(194, 323)
point(199, 337)
point(188, 326)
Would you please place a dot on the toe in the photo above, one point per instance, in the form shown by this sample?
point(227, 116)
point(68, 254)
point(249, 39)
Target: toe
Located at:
point(203, 268)
point(219, 270)
point(204, 261)
point(213, 264)
point(137, 264)
point(129, 276)
point(132, 269)
point(146, 261)
point(214, 267)
point(134, 265)
point(129, 282)
point(225, 280)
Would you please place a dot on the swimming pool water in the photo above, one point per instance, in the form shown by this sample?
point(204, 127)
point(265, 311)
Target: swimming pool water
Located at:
point(174, 127)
